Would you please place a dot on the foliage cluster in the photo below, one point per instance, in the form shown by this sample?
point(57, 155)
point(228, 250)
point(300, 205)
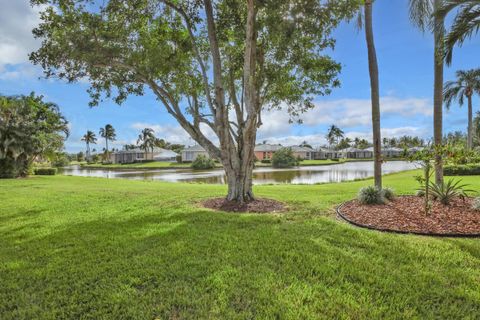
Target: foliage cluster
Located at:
point(202, 162)
point(29, 128)
point(448, 190)
point(284, 158)
point(371, 195)
point(45, 171)
point(462, 170)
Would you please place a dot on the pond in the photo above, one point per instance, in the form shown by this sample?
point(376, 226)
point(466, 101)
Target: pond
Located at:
point(265, 175)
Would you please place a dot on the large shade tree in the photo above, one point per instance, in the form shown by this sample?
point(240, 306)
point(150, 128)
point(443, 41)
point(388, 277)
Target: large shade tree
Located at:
point(422, 16)
point(212, 64)
point(465, 86)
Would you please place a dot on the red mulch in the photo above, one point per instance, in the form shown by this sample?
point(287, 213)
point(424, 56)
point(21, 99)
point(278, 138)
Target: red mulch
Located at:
point(258, 205)
point(406, 214)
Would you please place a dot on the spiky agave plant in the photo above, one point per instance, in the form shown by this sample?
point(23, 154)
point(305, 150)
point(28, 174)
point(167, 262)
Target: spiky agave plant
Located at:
point(449, 190)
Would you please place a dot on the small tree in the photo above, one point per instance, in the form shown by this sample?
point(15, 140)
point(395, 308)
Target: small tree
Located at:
point(80, 156)
point(202, 162)
point(146, 140)
point(108, 133)
point(425, 159)
point(284, 158)
point(89, 138)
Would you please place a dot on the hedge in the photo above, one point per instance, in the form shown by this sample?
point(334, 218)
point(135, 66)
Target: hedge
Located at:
point(462, 170)
point(45, 171)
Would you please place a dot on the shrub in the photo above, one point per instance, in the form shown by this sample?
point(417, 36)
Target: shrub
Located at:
point(462, 170)
point(266, 161)
point(476, 204)
point(202, 162)
point(420, 193)
point(284, 158)
point(45, 171)
point(388, 193)
point(447, 191)
point(178, 158)
point(371, 195)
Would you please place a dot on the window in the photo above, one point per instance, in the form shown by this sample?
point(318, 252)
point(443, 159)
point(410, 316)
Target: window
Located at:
point(140, 155)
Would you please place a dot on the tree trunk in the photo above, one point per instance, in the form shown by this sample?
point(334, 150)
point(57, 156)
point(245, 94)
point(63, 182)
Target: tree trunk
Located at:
point(470, 124)
point(438, 95)
point(239, 171)
point(239, 184)
point(375, 94)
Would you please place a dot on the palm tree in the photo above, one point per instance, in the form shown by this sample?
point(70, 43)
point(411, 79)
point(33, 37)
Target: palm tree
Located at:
point(374, 90)
point(146, 140)
point(421, 14)
point(465, 23)
point(108, 133)
point(334, 135)
point(467, 83)
point(89, 138)
point(476, 128)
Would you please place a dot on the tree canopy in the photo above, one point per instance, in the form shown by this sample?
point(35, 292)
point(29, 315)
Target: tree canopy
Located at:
point(212, 64)
point(29, 127)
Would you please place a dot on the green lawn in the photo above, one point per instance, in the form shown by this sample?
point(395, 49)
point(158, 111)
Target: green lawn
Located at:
point(91, 248)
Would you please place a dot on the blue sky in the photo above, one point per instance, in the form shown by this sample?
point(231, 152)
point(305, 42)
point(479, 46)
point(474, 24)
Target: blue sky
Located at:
point(406, 83)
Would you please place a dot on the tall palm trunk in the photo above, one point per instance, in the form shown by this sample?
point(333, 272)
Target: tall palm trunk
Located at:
point(88, 151)
point(375, 94)
point(438, 94)
point(470, 123)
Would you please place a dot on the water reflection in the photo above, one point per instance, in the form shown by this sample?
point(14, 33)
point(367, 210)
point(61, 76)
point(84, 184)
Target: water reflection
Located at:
point(300, 175)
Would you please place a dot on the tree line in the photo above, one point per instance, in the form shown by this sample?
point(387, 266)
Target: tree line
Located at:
point(146, 141)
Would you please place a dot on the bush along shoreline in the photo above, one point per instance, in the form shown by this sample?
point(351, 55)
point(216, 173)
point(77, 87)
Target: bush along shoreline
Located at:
point(462, 170)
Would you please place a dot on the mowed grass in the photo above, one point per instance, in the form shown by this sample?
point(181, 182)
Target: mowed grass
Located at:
point(91, 248)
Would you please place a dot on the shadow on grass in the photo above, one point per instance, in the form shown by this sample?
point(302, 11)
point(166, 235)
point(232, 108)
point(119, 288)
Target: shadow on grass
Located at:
point(201, 264)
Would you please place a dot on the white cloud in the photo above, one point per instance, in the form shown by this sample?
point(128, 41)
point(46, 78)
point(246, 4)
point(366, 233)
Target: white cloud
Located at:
point(17, 19)
point(21, 71)
point(319, 139)
point(346, 113)
point(174, 133)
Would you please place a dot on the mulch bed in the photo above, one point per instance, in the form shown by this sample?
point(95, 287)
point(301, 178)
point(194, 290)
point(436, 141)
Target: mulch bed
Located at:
point(405, 214)
point(258, 205)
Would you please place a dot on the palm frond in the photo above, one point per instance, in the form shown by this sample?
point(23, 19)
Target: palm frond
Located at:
point(420, 12)
point(465, 24)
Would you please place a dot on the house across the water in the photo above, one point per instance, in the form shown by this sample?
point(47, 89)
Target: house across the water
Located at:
point(265, 151)
point(139, 155)
point(191, 153)
point(355, 153)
